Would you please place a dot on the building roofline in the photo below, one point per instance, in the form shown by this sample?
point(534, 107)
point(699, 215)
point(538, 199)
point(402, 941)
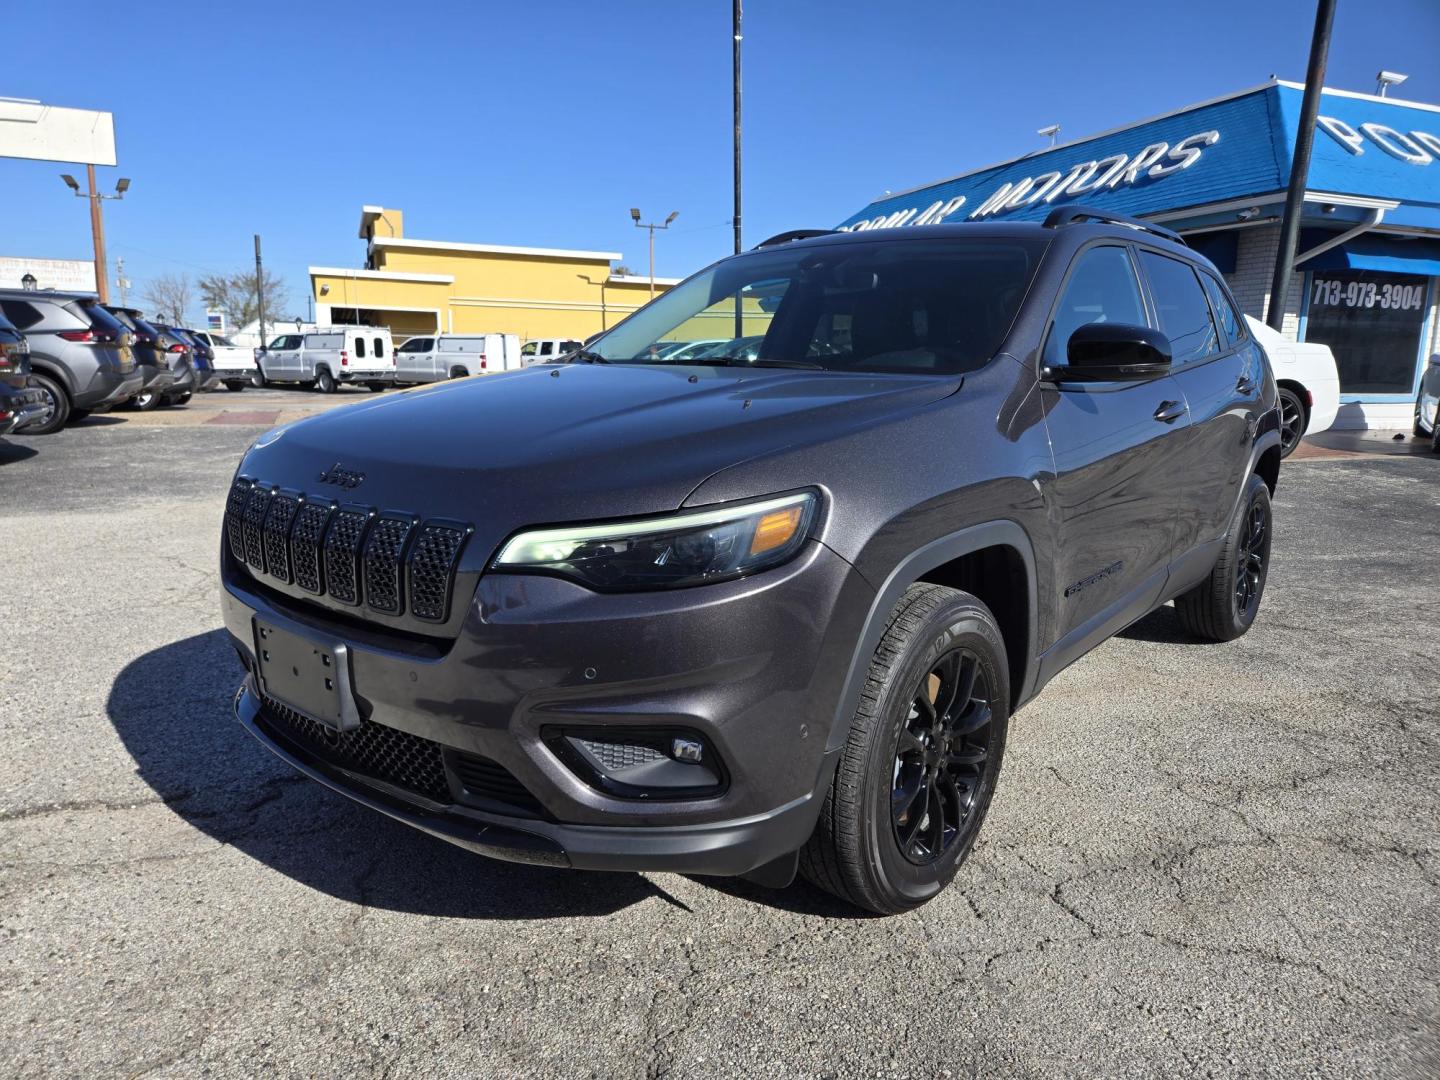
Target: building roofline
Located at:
point(642, 279)
point(1153, 119)
point(383, 275)
point(495, 249)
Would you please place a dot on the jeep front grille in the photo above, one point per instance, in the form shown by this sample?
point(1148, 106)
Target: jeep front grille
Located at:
point(356, 556)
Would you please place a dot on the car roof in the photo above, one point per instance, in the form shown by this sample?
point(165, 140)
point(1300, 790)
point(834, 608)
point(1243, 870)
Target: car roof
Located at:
point(48, 294)
point(993, 230)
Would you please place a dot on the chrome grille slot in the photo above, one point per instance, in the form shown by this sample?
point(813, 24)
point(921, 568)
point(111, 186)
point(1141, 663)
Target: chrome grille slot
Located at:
point(234, 516)
point(277, 535)
point(384, 570)
point(432, 570)
point(253, 527)
point(343, 541)
point(305, 550)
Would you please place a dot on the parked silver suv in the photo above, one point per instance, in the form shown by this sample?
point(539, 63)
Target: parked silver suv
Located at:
point(80, 354)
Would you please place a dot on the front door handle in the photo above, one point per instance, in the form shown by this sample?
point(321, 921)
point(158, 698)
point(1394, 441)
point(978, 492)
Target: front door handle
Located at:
point(1170, 411)
point(1245, 384)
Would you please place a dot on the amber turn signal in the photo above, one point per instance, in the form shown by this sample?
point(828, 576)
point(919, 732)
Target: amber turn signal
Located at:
point(775, 529)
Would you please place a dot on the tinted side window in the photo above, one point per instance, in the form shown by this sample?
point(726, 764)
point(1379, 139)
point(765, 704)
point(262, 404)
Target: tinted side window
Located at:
point(379, 348)
point(1232, 327)
point(1181, 305)
point(359, 348)
point(547, 348)
point(1102, 289)
point(20, 313)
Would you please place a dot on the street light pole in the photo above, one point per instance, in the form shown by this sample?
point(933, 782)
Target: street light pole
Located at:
point(97, 223)
point(736, 15)
point(97, 235)
point(1300, 164)
point(260, 293)
point(635, 217)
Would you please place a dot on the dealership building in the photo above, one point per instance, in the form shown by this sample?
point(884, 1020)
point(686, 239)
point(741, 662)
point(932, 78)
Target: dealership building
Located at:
point(448, 286)
point(1367, 279)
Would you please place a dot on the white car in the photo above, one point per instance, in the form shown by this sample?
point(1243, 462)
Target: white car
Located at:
point(426, 359)
point(1308, 381)
point(234, 364)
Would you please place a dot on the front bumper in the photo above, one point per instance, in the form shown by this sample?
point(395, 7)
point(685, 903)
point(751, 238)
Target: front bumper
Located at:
point(753, 667)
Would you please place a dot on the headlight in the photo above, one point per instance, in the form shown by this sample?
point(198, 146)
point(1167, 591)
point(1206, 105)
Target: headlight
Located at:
point(668, 552)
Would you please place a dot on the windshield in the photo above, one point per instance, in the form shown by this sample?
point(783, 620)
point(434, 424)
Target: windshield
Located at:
point(918, 306)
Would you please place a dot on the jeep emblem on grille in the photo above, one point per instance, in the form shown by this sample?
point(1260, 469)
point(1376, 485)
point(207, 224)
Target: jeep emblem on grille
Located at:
point(342, 477)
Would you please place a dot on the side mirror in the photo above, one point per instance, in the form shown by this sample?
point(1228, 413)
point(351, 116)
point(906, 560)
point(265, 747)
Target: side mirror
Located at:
point(1115, 352)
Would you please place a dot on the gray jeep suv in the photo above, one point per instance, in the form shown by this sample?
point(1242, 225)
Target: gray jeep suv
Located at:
point(80, 355)
point(772, 608)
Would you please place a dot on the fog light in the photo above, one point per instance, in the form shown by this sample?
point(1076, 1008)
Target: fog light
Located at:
point(686, 750)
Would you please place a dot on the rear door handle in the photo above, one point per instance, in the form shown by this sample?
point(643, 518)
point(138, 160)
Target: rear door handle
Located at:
point(1245, 384)
point(1170, 411)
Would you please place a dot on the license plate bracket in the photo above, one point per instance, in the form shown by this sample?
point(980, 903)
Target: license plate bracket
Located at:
point(311, 677)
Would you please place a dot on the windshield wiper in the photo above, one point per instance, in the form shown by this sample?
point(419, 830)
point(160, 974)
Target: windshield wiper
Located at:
point(585, 356)
point(736, 361)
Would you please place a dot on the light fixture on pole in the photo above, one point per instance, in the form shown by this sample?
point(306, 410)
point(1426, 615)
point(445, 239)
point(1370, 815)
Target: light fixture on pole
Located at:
point(1386, 79)
point(29, 282)
point(635, 217)
point(97, 222)
point(1050, 131)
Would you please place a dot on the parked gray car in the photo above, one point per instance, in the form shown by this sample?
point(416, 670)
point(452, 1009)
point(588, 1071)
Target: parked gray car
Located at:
point(80, 355)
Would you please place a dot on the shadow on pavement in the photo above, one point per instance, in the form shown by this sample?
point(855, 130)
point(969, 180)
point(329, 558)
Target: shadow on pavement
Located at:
point(1161, 626)
point(97, 420)
point(12, 451)
point(172, 710)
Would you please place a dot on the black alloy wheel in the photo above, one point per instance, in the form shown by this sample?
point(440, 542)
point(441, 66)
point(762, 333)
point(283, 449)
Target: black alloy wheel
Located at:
point(921, 759)
point(1292, 421)
point(1250, 563)
point(941, 757)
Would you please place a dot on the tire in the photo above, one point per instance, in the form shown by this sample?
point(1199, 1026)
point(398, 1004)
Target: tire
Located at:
point(866, 849)
point(145, 401)
point(1214, 609)
point(324, 381)
point(257, 379)
point(459, 373)
point(1435, 437)
point(376, 387)
point(59, 402)
point(1294, 419)
point(180, 399)
point(235, 385)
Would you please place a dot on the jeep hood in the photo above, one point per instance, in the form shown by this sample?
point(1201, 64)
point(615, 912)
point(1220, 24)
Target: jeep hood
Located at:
point(573, 443)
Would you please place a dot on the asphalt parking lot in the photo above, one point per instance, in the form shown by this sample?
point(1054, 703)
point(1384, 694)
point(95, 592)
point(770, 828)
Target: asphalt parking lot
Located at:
point(1203, 859)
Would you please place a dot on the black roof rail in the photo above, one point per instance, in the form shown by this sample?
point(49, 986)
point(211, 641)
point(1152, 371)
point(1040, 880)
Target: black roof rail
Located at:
point(1065, 215)
point(793, 234)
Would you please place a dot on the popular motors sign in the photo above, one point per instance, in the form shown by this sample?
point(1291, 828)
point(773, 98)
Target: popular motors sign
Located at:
point(1412, 147)
point(1153, 161)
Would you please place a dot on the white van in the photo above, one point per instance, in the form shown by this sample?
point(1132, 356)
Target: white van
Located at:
point(547, 350)
point(329, 356)
point(453, 356)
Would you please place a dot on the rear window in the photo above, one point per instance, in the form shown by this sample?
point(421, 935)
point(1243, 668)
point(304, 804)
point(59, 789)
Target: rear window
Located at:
point(223, 342)
point(99, 318)
point(20, 313)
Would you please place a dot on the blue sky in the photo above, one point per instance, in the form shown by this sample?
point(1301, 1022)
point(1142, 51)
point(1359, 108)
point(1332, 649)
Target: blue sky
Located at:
point(543, 123)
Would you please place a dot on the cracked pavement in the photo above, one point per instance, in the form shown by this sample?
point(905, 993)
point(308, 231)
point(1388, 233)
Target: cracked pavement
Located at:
point(1203, 860)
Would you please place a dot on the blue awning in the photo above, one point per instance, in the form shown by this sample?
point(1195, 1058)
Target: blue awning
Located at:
point(1219, 247)
point(1393, 254)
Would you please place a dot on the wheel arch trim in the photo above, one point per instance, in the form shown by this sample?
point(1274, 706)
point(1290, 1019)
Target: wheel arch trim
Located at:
point(967, 541)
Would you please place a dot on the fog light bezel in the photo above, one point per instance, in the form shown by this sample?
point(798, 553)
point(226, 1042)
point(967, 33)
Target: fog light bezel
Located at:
point(558, 738)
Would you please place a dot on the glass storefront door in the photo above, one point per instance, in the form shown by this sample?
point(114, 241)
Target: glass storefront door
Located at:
point(1373, 323)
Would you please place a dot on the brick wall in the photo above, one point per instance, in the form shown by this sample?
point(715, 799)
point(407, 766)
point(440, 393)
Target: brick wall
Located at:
point(1254, 267)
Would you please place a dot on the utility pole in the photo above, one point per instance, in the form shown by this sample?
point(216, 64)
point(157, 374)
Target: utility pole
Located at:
point(120, 282)
point(735, 19)
point(1300, 164)
point(260, 292)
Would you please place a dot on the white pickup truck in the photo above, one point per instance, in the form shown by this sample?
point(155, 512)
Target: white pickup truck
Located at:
point(1308, 381)
point(234, 364)
point(326, 357)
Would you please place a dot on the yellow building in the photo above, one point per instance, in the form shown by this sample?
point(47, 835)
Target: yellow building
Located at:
point(430, 286)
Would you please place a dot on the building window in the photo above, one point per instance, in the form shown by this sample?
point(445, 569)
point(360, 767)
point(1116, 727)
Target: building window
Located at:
point(1372, 322)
